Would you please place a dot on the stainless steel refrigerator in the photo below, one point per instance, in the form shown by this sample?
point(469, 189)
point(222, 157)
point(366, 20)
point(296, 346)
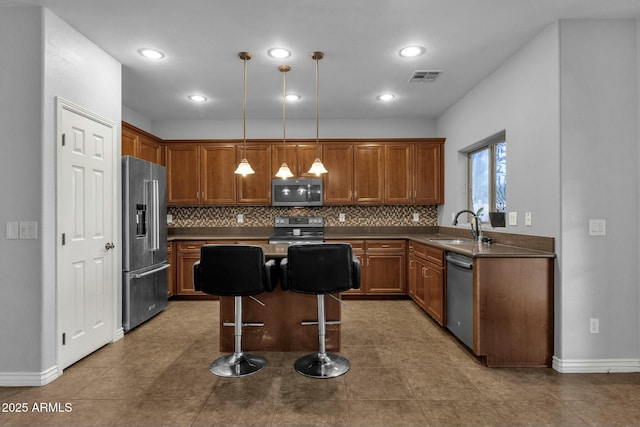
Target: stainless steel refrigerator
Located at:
point(144, 228)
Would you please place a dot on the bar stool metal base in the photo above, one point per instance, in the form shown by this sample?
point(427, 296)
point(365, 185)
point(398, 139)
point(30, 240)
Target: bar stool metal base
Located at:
point(237, 365)
point(322, 365)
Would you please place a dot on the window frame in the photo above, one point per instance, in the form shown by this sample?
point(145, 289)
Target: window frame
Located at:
point(490, 144)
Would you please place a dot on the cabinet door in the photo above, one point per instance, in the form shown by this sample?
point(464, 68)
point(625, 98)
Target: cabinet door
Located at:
point(129, 142)
point(397, 174)
point(385, 273)
point(185, 273)
point(256, 189)
point(421, 285)
point(428, 170)
point(368, 173)
point(149, 150)
point(306, 155)
point(182, 174)
point(434, 292)
point(218, 180)
point(280, 154)
point(338, 182)
point(411, 277)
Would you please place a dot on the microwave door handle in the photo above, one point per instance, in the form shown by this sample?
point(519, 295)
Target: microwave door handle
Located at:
point(154, 217)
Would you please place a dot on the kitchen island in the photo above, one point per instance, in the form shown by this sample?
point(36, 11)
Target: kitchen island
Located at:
point(282, 314)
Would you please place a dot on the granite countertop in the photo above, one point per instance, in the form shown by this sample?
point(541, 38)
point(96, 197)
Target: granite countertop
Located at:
point(506, 246)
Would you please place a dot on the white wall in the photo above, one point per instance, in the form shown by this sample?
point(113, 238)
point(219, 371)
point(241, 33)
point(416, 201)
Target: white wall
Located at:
point(48, 59)
point(568, 101)
point(520, 97)
point(20, 186)
point(296, 128)
point(599, 179)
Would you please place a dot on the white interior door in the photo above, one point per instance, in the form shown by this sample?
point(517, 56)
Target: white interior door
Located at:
point(87, 201)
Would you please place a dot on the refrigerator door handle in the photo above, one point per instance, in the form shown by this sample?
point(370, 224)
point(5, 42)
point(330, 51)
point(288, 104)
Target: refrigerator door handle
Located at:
point(155, 270)
point(154, 237)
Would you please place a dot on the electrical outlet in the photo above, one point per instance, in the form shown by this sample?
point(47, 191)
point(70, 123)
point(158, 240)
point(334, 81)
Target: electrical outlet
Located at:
point(594, 325)
point(416, 216)
point(527, 219)
point(240, 218)
point(341, 217)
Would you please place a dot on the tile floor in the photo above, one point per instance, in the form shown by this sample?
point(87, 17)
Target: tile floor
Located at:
point(405, 371)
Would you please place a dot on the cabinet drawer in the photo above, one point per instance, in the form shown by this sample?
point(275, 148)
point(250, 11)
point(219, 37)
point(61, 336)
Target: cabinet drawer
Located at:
point(356, 245)
point(190, 246)
point(385, 245)
point(418, 249)
point(435, 255)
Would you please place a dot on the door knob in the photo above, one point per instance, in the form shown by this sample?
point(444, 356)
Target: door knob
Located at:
point(109, 245)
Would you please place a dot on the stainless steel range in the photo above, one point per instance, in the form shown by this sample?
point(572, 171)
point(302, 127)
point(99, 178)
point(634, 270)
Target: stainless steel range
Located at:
point(298, 230)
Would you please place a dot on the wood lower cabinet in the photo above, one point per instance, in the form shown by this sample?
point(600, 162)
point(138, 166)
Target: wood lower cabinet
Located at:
point(426, 279)
point(188, 252)
point(513, 311)
point(383, 266)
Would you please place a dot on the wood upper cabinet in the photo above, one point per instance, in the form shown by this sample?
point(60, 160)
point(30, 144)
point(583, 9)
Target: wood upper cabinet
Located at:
point(298, 157)
point(398, 186)
point(428, 173)
point(368, 168)
point(183, 173)
point(255, 189)
point(140, 144)
point(338, 182)
point(217, 174)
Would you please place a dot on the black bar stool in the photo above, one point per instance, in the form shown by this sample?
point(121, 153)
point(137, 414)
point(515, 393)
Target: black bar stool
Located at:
point(320, 269)
point(235, 270)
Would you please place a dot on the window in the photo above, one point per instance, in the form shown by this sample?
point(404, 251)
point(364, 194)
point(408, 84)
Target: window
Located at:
point(487, 172)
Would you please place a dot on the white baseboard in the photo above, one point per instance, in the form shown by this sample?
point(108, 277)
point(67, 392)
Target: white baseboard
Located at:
point(118, 335)
point(596, 365)
point(29, 379)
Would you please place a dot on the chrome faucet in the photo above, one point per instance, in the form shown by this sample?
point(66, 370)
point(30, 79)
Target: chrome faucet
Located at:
point(476, 229)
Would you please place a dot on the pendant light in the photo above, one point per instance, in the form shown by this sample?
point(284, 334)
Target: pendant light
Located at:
point(244, 168)
point(317, 167)
point(284, 172)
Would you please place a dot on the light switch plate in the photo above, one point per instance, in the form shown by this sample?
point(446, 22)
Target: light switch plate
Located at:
point(12, 230)
point(513, 218)
point(597, 227)
point(28, 230)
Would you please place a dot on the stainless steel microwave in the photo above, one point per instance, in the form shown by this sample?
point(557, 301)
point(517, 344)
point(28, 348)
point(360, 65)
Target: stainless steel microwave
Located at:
point(296, 192)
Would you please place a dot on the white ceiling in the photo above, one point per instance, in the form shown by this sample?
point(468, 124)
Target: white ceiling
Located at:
point(467, 39)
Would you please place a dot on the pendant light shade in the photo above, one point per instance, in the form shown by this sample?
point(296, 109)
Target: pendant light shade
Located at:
point(317, 167)
point(244, 168)
point(284, 172)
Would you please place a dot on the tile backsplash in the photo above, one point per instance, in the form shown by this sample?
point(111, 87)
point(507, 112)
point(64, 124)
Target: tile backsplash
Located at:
point(262, 216)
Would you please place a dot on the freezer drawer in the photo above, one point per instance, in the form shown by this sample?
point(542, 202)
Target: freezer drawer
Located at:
point(144, 294)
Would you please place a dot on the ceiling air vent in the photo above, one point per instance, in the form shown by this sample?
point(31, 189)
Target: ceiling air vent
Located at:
point(422, 76)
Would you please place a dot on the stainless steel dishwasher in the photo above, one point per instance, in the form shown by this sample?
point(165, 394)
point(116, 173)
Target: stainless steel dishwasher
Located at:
point(460, 297)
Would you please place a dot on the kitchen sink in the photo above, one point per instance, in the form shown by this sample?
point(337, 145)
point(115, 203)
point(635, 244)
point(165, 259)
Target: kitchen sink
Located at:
point(451, 241)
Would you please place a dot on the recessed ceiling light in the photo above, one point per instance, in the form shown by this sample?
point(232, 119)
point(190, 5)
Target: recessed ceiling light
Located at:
point(293, 97)
point(197, 98)
point(279, 52)
point(410, 51)
point(151, 53)
point(385, 97)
